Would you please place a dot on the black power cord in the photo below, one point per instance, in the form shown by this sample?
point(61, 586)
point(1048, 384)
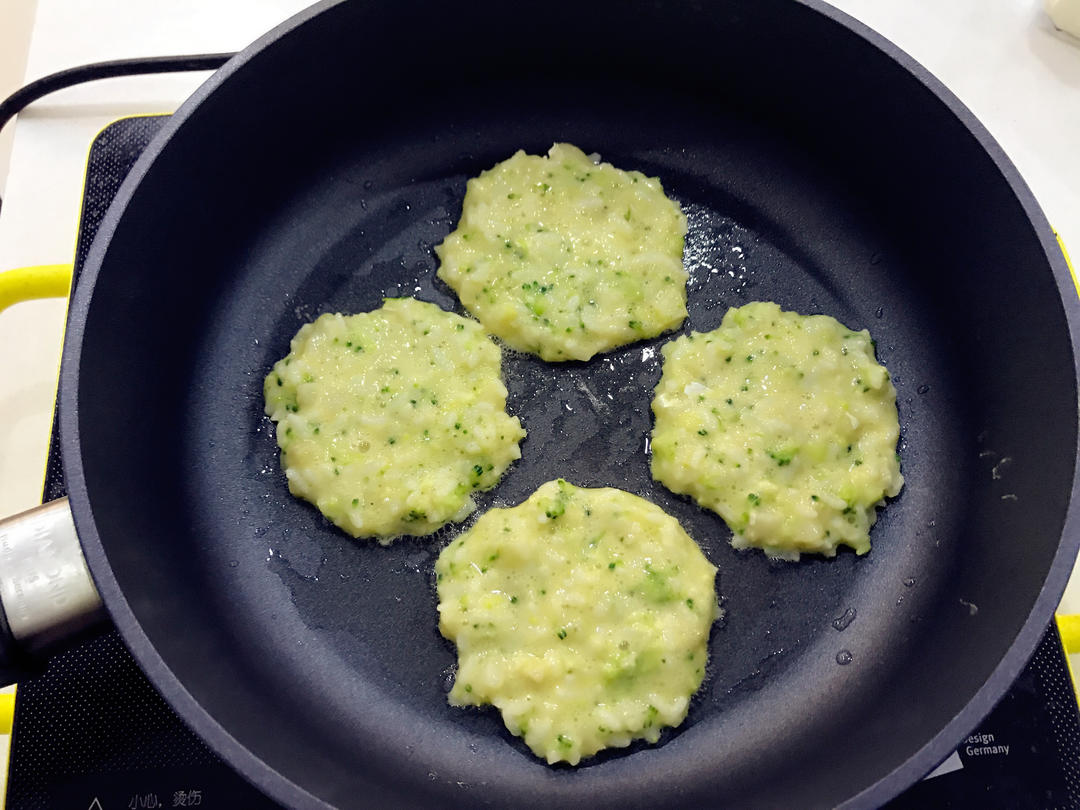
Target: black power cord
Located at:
point(17, 101)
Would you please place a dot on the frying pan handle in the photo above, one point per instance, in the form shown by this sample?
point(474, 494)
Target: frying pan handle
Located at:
point(1069, 630)
point(28, 283)
point(47, 598)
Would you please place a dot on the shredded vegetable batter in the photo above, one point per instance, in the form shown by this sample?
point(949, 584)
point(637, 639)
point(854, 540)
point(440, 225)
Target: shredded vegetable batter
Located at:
point(783, 424)
point(564, 258)
point(389, 420)
point(582, 614)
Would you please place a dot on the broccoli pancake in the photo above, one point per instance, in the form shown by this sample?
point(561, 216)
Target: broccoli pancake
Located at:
point(582, 614)
point(783, 424)
point(564, 258)
point(388, 420)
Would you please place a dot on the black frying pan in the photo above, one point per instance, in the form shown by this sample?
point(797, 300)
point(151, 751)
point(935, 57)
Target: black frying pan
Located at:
point(819, 167)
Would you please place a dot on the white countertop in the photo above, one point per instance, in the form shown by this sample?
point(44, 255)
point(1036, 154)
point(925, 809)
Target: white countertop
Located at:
point(1002, 58)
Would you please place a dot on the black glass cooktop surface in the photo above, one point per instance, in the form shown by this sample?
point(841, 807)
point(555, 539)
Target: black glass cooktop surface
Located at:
point(91, 732)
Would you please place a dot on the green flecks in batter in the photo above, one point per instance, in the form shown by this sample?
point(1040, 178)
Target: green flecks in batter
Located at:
point(392, 418)
point(813, 418)
point(564, 258)
point(607, 647)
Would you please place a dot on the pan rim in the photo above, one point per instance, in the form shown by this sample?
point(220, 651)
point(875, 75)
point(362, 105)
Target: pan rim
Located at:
point(280, 787)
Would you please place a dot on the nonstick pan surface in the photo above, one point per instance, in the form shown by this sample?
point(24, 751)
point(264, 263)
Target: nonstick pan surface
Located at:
point(819, 168)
